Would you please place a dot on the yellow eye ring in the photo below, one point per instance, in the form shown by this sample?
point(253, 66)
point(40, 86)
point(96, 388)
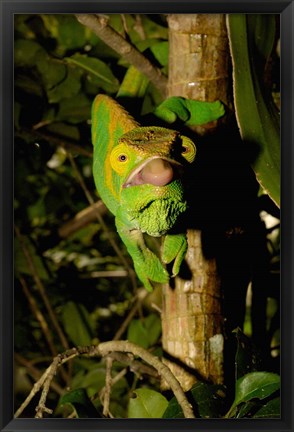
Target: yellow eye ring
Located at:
point(119, 158)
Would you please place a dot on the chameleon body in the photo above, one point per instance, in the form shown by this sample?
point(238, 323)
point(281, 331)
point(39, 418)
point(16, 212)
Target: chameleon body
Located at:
point(138, 174)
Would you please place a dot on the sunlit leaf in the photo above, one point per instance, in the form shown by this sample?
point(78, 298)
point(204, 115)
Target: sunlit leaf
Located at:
point(256, 385)
point(147, 404)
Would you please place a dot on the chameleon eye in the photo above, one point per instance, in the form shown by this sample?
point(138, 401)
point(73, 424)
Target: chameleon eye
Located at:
point(119, 158)
point(122, 158)
point(188, 149)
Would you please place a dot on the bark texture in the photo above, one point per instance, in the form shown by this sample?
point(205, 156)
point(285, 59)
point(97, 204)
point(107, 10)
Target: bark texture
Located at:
point(192, 317)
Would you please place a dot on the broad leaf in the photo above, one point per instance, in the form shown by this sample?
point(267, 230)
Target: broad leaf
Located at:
point(246, 359)
point(256, 113)
point(81, 403)
point(99, 73)
point(145, 332)
point(147, 404)
point(256, 385)
point(272, 409)
point(77, 323)
point(209, 402)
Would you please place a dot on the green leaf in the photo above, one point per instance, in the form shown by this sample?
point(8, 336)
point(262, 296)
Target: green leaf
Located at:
point(160, 52)
point(68, 32)
point(256, 385)
point(80, 402)
point(272, 409)
point(26, 52)
point(98, 71)
point(147, 404)
point(21, 264)
point(134, 84)
point(77, 323)
point(246, 359)
point(256, 113)
point(145, 332)
point(75, 109)
point(68, 87)
point(209, 400)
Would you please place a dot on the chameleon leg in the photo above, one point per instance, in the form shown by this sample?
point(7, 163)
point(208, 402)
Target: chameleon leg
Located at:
point(147, 265)
point(174, 248)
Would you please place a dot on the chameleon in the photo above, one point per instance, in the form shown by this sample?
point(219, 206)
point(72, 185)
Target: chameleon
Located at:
point(138, 174)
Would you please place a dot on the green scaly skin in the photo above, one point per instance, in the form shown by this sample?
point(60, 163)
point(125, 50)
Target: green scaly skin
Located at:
point(137, 172)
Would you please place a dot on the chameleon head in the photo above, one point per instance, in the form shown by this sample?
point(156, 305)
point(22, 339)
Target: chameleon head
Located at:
point(149, 162)
point(151, 155)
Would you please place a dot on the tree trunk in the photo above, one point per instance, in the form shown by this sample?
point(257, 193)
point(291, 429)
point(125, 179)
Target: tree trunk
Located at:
point(192, 318)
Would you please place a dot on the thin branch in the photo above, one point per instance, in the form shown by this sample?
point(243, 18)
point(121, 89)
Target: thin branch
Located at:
point(131, 315)
point(114, 380)
point(104, 349)
point(59, 141)
point(82, 219)
point(107, 388)
point(135, 366)
point(98, 24)
point(35, 373)
point(36, 388)
point(163, 370)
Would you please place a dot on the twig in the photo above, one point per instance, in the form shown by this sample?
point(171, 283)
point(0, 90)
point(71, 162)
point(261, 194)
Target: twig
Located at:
point(114, 380)
point(135, 366)
point(108, 385)
point(113, 39)
point(124, 346)
point(36, 388)
point(59, 141)
point(35, 373)
point(82, 218)
point(105, 274)
point(130, 315)
point(104, 349)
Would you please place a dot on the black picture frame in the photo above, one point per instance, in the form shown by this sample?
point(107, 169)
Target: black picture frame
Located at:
point(8, 9)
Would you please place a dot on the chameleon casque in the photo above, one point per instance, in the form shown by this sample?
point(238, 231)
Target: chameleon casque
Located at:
point(138, 174)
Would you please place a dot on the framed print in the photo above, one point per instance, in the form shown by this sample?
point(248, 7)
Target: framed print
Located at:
point(146, 216)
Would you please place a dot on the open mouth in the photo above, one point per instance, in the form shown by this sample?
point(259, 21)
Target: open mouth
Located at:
point(156, 171)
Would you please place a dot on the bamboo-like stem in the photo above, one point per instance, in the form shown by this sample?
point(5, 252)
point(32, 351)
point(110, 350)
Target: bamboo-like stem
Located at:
point(192, 318)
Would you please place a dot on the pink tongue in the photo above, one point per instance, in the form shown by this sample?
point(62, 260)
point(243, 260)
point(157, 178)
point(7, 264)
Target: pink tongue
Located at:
point(157, 172)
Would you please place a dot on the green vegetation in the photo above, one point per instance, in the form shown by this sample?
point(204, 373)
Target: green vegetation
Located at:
point(74, 281)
